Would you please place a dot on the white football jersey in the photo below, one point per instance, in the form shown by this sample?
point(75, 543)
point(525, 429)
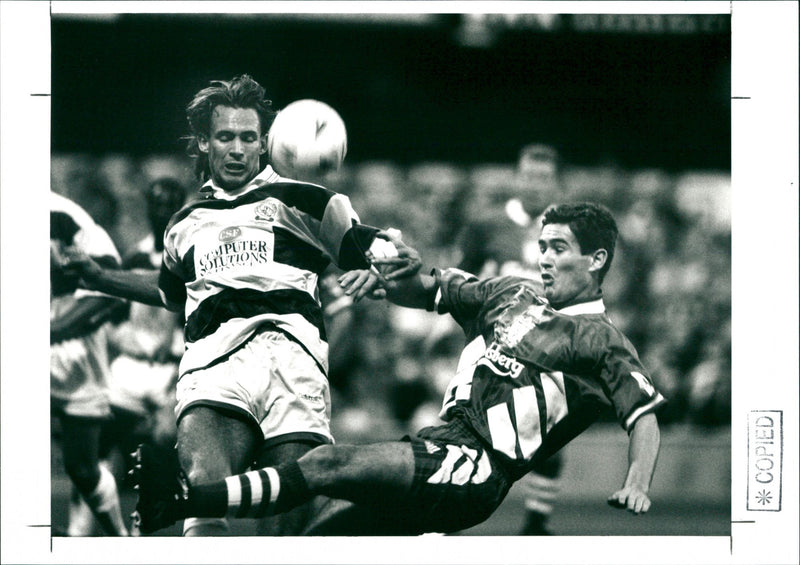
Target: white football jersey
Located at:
point(237, 262)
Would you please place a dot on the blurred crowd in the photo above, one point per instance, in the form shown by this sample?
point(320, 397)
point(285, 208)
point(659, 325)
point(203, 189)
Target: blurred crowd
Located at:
point(669, 289)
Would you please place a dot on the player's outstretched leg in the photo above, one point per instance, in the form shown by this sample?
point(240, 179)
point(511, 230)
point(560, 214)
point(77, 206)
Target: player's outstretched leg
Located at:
point(362, 474)
point(163, 489)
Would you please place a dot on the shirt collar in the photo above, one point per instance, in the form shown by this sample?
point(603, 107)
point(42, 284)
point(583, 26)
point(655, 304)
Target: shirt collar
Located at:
point(267, 175)
point(595, 306)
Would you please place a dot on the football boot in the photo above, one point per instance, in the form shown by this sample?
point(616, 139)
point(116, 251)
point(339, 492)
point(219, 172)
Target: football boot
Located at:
point(162, 487)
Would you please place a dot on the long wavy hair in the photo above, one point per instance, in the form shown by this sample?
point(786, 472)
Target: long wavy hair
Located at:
point(240, 92)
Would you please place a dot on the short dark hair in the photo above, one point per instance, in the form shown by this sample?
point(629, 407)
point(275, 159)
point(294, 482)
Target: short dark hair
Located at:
point(240, 92)
point(593, 225)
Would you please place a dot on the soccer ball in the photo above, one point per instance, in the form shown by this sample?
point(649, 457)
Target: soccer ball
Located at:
point(307, 139)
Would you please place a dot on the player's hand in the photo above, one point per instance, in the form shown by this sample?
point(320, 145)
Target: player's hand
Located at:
point(363, 282)
point(407, 263)
point(62, 282)
point(631, 498)
point(76, 263)
point(56, 256)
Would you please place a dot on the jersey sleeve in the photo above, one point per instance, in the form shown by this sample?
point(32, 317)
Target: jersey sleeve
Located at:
point(343, 236)
point(324, 219)
point(627, 383)
point(171, 278)
point(461, 294)
point(171, 289)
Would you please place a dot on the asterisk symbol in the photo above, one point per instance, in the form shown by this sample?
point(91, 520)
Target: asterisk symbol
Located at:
point(764, 497)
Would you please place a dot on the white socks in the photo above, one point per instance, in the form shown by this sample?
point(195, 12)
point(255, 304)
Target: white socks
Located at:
point(205, 527)
point(104, 502)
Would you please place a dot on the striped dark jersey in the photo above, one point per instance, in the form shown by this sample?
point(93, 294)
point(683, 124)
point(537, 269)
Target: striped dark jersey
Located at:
point(237, 261)
point(531, 378)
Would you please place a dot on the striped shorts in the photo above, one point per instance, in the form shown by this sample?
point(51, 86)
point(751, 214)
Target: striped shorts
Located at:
point(456, 483)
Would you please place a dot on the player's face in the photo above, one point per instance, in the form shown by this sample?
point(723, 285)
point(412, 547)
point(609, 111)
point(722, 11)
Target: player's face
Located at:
point(565, 272)
point(161, 204)
point(234, 146)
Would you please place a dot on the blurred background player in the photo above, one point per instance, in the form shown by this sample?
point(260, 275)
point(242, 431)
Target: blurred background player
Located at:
point(540, 187)
point(146, 347)
point(79, 366)
point(501, 240)
point(144, 350)
point(501, 231)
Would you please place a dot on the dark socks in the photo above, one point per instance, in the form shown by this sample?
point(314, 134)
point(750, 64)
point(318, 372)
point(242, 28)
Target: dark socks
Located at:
point(293, 487)
point(251, 495)
point(208, 501)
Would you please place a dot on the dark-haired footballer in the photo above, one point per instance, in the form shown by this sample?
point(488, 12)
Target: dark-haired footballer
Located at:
point(537, 367)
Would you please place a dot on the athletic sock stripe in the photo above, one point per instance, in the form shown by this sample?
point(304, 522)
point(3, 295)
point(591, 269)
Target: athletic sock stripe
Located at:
point(256, 490)
point(275, 486)
point(244, 507)
point(234, 493)
point(271, 482)
point(262, 506)
point(539, 506)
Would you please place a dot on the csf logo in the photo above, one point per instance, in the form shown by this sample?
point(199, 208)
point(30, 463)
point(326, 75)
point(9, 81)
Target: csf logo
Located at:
point(500, 363)
point(229, 234)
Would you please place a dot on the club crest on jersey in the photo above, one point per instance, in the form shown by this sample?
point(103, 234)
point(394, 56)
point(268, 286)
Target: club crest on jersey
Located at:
point(229, 234)
point(511, 334)
point(500, 363)
point(266, 210)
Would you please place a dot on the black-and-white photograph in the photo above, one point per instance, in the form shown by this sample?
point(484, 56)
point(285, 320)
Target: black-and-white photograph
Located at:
point(393, 270)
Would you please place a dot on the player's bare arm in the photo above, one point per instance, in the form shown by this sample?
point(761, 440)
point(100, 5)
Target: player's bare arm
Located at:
point(140, 285)
point(411, 292)
point(387, 271)
point(643, 446)
point(360, 283)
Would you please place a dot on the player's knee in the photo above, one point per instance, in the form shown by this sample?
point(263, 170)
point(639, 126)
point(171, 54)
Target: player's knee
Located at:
point(202, 466)
point(202, 472)
point(201, 469)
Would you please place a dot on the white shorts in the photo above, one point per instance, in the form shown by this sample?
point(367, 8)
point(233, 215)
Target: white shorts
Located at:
point(270, 380)
point(141, 386)
point(78, 373)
